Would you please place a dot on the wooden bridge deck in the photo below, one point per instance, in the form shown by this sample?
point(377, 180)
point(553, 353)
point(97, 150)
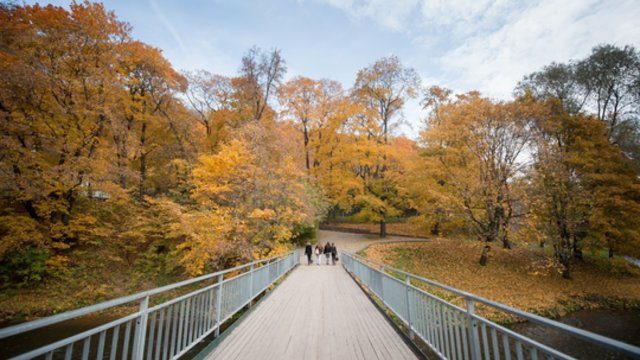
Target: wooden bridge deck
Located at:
point(318, 312)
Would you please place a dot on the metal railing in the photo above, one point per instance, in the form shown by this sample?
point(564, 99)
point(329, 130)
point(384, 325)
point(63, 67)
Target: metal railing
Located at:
point(167, 330)
point(454, 332)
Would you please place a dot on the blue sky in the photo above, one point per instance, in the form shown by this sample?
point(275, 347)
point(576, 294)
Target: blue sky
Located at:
point(485, 45)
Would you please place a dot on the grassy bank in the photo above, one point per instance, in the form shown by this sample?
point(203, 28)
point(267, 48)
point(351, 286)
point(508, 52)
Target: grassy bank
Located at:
point(522, 277)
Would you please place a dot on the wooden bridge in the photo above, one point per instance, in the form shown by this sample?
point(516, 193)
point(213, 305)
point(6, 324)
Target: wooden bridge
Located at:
point(314, 312)
point(318, 312)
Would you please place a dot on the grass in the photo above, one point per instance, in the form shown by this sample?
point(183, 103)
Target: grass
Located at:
point(522, 277)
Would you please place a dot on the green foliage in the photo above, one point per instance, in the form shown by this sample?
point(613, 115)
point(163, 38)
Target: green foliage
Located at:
point(25, 267)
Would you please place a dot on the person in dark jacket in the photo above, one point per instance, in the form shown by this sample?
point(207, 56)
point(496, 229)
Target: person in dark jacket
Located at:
point(308, 250)
point(334, 253)
point(327, 251)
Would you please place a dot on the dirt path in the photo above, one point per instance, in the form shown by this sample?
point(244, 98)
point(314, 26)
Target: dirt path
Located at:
point(356, 242)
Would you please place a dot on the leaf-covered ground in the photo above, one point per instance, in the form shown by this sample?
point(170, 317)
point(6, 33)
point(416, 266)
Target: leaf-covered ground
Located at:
point(522, 277)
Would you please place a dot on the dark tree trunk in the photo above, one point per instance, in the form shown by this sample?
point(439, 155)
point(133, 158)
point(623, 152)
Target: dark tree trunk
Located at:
point(484, 258)
point(143, 161)
point(435, 230)
point(383, 228)
point(306, 148)
point(610, 252)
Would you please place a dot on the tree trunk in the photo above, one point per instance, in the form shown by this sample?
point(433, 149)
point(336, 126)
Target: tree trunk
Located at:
point(306, 149)
point(435, 230)
point(610, 252)
point(143, 161)
point(484, 258)
point(383, 228)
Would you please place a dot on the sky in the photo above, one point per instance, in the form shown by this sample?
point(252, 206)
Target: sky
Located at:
point(484, 45)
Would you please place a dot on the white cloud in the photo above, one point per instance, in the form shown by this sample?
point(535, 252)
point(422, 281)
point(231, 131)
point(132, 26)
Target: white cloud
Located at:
point(391, 14)
point(548, 31)
point(489, 45)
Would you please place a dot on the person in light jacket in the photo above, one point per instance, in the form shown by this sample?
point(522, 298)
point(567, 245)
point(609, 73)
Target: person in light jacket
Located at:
point(319, 250)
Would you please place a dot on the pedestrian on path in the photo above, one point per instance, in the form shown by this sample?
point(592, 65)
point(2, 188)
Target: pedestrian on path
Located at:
point(327, 251)
point(334, 253)
point(308, 250)
point(319, 251)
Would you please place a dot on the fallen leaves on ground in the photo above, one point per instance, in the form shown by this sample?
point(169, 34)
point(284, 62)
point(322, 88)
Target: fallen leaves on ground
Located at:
point(520, 277)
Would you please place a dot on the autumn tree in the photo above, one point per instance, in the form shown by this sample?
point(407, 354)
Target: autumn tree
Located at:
point(380, 91)
point(584, 192)
point(208, 95)
point(474, 152)
point(251, 196)
point(85, 112)
point(605, 84)
point(150, 83)
point(310, 104)
point(56, 97)
point(260, 74)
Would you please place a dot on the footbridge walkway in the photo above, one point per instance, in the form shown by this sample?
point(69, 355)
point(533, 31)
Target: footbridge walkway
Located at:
point(283, 308)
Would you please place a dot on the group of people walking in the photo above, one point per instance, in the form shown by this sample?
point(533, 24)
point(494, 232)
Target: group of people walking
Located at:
point(328, 250)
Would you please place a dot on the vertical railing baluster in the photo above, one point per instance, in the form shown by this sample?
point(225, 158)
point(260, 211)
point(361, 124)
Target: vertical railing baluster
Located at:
point(211, 309)
point(251, 294)
point(149, 338)
point(452, 342)
point(473, 330)
point(519, 353)
point(68, 352)
point(187, 324)
point(174, 330)
point(86, 345)
point(445, 330)
point(457, 331)
point(160, 333)
point(485, 341)
point(219, 304)
point(507, 349)
point(180, 327)
point(165, 345)
point(101, 339)
point(141, 330)
point(114, 342)
point(408, 299)
point(494, 340)
point(125, 344)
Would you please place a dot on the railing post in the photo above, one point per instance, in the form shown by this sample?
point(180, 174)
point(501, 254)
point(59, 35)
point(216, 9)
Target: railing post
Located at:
point(141, 330)
point(219, 304)
point(409, 317)
point(251, 294)
point(472, 324)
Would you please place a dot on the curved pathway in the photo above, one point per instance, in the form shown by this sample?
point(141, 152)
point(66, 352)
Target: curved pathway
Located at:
point(318, 312)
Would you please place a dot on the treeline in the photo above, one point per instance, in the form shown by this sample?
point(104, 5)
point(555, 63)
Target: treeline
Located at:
point(109, 153)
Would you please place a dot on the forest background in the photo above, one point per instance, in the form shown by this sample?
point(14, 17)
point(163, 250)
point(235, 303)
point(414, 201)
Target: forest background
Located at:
point(118, 172)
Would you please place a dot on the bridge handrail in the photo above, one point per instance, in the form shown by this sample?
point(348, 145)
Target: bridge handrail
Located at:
point(203, 297)
point(470, 298)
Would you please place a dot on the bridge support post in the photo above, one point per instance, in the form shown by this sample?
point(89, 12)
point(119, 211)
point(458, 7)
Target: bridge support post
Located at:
point(219, 304)
point(141, 330)
point(472, 325)
point(412, 334)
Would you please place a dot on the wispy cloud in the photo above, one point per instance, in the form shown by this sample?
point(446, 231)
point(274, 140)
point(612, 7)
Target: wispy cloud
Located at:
point(168, 26)
point(491, 44)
